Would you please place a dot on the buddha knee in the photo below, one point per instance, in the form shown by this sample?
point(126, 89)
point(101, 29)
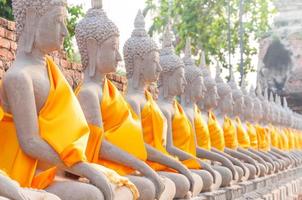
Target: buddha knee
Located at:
point(182, 184)
point(226, 175)
point(207, 179)
point(145, 187)
point(240, 172)
point(75, 191)
point(198, 184)
point(262, 169)
point(123, 193)
point(170, 189)
point(252, 171)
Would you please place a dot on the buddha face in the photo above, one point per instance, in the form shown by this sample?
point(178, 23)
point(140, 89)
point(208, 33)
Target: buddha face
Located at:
point(238, 105)
point(197, 89)
point(211, 97)
point(150, 67)
point(108, 55)
point(177, 82)
point(51, 30)
point(248, 110)
point(227, 104)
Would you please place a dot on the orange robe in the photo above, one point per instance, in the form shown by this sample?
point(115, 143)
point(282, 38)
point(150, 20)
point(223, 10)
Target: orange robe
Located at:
point(216, 132)
point(183, 135)
point(153, 123)
point(61, 124)
point(275, 142)
point(121, 127)
point(230, 133)
point(263, 138)
point(252, 132)
point(242, 134)
point(202, 131)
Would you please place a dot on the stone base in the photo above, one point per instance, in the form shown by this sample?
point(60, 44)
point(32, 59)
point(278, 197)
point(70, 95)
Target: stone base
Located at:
point(215, 195)
point(247, 187)
point(233, 192)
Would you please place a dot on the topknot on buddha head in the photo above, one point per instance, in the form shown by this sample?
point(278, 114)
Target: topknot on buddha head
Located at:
point(138, 45)
point(191, 70)
point(94, 26)
point(169, 61)
point(40, 7)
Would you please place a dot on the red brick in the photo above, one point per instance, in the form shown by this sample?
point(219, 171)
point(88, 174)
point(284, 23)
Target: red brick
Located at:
point(10, 35)
point(4, 43)
point(11, 25)
point(13, 45)
point(2, 32)
point(64, 64)
point(3, 22)
point(6, 54)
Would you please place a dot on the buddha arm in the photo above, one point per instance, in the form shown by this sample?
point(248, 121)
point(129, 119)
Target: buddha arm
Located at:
point(27, 127)
point(253, 155)
point(242, 156)
point(265, 157)
point(231, 167)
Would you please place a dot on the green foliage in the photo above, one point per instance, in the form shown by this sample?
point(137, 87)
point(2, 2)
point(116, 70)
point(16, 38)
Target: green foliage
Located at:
point(74, 14)
point(6, 9)
point(206, 23)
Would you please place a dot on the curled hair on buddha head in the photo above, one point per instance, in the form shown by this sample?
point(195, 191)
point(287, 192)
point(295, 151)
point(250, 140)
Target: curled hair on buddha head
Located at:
point(223, 88)
point(20, 8)
point(139, 44)
point(169, 61)
point(94, 26)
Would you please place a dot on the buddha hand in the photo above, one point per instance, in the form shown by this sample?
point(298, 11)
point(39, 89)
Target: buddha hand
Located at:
point(207, 167)
point(159, 185)
point(189, 176)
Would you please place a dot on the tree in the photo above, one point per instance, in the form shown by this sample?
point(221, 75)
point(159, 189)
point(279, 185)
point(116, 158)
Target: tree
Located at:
point(6, 9)
point(206, 23)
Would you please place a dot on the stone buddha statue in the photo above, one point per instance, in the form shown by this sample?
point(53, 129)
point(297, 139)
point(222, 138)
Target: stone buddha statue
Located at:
point(194, 91)
point(116, 139)
point(207, 150)
point(230, 133)
point(244, 127)
point(143, 68)
point(44, 130)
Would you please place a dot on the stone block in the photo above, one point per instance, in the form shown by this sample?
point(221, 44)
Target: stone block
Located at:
point(247, 186)
point(10, 35)
point(233, 192)
point(11, 25)
point(214, 195)
point(2, 32)
point(6, 54)
point(3, 22)
point(13, 45)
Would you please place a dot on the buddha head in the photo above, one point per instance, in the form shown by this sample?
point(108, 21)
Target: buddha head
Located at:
point(248, 102)
point(210, 100)
point(237, 96)
point(40, 24)
point(172, 80)
point(226, 102)
point(257, 102)
point(141, 55)
point(195, 88)
point(98, 41)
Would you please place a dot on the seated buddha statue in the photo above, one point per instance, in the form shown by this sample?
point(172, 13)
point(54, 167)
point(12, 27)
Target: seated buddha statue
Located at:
point(44, 130)
point(141, 56)
point(206, 149)
point(228, 131)
point(180, 135)
point(194, 90)
point(116, 140)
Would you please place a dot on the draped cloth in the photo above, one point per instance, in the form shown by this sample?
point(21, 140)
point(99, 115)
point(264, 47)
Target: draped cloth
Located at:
point(201, 130)
point(216, 132)
point(121, 128)
point(183, 135)
point(154, 129)
point(61, 124)
point(230, 133)
point(263, 138)
point(252, 132)
point(243, 136)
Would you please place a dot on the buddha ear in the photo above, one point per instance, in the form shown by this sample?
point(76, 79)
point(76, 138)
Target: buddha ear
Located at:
point(92, 50)
point(29, 29)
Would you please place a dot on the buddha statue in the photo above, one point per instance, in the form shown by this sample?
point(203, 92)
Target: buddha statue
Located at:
point(194, 91)
point(116, 140)
point(246, 138)
point(44, 130)
point(180, 135)
point(229, 133)
point(143, 68)
point(207, 150)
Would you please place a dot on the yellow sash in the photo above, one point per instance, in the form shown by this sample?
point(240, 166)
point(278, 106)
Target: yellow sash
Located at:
point(253, 135)
point(290, 136)
point(230, 133)
point(183, 135)
point(284, 140)
point(1, 113)
point(274, 137)
point(216, 132)
point(243, 136)
point(62, 125)
point(263, 138)
point(202, 131)
point(121, 128)
point(153, 123)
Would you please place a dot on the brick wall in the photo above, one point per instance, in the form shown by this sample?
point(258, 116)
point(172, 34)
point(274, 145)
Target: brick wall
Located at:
point(72, 71)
